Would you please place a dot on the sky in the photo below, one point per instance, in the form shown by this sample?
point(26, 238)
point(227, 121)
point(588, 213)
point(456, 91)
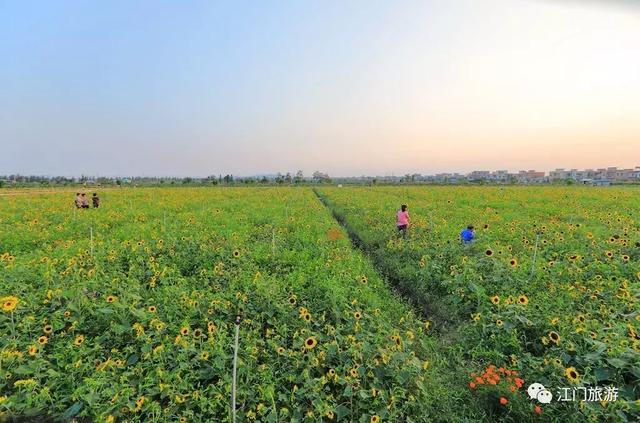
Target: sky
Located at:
point(189, 88)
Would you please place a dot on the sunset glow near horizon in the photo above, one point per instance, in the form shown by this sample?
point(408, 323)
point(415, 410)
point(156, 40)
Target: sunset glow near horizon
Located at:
point(348, 88)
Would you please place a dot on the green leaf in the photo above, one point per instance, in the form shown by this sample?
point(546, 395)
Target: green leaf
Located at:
point(622, 415)
point(341, 412)
point(73, 410)
point(403, 377)
point(272, 417)
point(22, 370)
point(617, 363)
point(602, 374)
point(133, 359)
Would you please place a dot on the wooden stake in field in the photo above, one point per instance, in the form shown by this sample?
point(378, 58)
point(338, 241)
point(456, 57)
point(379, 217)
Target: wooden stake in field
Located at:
point(273, 241)
point(533, 261)
point(235, 365)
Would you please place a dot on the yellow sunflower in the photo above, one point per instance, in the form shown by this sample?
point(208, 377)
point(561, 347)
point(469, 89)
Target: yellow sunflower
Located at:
point(523, 300)
point(554, 337)
point(572, 374)
point(310, 343)
point(139, 403)
point(9, 303)
point(495, 299)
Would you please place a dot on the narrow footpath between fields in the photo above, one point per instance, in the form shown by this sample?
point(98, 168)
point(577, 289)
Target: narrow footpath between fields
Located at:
point(449, 355)
point(428, 308)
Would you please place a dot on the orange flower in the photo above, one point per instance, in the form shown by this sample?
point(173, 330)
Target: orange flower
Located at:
point(503, 401)
point(472, 385)
point(537, 409)
point(519, 382)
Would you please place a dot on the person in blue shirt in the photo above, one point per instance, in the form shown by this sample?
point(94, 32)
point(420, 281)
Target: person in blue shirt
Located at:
point(468, 235)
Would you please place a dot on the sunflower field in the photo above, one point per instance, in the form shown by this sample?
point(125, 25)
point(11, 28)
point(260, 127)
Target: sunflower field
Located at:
point(127, 313)
point(549, 288)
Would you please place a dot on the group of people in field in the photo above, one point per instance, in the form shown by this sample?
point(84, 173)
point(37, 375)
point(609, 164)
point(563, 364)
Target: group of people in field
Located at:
point(402, 223)
point(82, 201)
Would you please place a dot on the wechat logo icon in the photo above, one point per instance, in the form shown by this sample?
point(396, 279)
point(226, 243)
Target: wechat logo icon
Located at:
point(538, 392)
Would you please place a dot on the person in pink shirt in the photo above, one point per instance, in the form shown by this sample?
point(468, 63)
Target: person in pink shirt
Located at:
point(402, 220)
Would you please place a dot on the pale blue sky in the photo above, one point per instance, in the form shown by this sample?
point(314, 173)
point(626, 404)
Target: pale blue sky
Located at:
point(357, 87)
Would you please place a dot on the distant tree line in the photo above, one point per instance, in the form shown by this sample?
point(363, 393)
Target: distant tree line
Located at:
point(212, 180)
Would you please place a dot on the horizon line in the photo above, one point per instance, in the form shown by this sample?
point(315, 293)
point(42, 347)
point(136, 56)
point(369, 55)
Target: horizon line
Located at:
point(392, 174)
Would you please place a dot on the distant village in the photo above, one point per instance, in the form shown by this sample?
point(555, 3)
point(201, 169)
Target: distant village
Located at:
point(603, 176)
point(597, 177)
point(594, 177)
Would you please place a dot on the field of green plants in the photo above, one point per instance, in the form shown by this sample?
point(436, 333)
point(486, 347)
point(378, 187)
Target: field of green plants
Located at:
point(550, 286)
point(126, 312)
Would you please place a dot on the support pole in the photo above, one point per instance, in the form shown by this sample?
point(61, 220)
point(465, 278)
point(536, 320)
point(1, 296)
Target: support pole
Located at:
point(235, 365)
point(535, 252)
point(273, 241)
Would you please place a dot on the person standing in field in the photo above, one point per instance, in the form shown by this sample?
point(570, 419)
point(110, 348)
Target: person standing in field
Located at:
point(78, 201)
point(402, 221)
point(468, 235)
point(85, 201)
point(96, 200)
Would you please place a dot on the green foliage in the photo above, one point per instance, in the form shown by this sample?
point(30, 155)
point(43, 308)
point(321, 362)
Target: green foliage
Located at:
point(139, 325)
point(583, 285)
